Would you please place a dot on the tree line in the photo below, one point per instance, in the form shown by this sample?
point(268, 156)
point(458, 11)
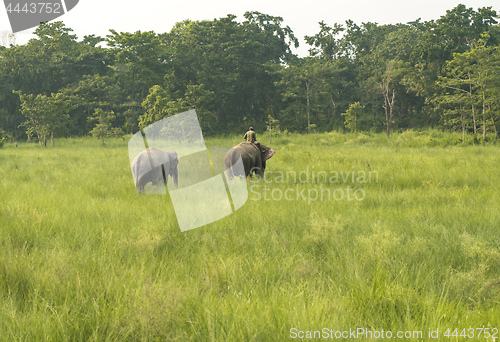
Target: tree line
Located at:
point(441, 74)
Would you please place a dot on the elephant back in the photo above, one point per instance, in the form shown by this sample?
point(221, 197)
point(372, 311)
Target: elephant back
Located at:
point(247, 146)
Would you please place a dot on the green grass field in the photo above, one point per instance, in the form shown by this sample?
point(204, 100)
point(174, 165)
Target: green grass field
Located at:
point(83, 257)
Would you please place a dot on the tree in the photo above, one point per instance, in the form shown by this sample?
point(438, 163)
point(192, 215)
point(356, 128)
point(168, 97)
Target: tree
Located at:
point(201, 99)
point(389, 94)
point(458, 31)
point(44, 114)
point(237, 74)
point(44, 65)
point(159, 104)
point(141, 59)
point(325, 45)
point(352, 116)
point(234, 63)
point(474, 73)
point(90, 93)
point(487, 77)
point(2, 138)
point(271, 31)
point(454, 112)
point(458, 77)
point(272, 126)
point(156, 105)
point(103, 127)
point(306, 91)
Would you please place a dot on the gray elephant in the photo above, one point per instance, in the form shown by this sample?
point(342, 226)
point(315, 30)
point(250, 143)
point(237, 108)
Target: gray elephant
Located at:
point(253, 158)
point(147, 167)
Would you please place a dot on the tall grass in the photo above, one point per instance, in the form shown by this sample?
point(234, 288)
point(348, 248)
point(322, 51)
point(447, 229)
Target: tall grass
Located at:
point(83, 257)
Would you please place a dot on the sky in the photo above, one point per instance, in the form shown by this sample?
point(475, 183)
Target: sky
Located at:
point(98, 16)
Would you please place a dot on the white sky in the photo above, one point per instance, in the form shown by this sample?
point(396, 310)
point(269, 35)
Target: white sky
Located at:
point(97, 17)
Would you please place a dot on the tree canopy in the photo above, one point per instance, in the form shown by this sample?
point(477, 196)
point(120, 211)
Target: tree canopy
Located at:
point(441, 73)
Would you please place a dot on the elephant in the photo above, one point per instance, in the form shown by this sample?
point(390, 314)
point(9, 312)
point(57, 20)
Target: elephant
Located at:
point(147, 167)
point(253, 158)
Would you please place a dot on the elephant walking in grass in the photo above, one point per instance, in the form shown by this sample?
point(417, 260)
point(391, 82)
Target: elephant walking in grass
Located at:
point(153, 166)
point(253, 158)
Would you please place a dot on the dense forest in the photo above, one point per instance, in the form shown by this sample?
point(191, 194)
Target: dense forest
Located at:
point(440, 74)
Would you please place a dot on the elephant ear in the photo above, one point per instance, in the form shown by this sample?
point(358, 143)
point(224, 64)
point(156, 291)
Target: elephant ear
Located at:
point(268, 153)
point(158, 157)
point(174, 158)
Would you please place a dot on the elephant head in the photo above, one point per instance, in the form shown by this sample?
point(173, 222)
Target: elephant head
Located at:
point(173, 169)
point(266, 153)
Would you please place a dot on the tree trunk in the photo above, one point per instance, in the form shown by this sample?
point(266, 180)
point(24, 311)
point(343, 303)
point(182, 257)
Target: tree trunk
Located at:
point(270, 132)
point(218, 113)
point(52, 138)
point(389, 109)
point(493, 120)
point(474, 120)
point(472, 104)
point(88, 115)
point(463, 124)
point(356, 124)
point(132, 98)
point(391, 112)
point(387, 124)
point(484, 115)
point(385, 106)
point(308, 108)
point(388, 103)
point(401, 108)
point(334, 108)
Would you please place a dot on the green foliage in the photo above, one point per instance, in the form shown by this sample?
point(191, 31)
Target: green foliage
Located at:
point(352, 115)
point(91, 93)
point(325, 44)
point(139, 62)
point(233, 64)
point(103, 127)
point(236, 73)
point(159, 104)
point(44, 114)
point(273, 127)
point(44, 66)
point(470, 84)
point(310, 89)
point(156, 105)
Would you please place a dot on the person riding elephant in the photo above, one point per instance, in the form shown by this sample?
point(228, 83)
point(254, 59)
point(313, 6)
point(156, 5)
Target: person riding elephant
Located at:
point(253, 159)
point(251, 137)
